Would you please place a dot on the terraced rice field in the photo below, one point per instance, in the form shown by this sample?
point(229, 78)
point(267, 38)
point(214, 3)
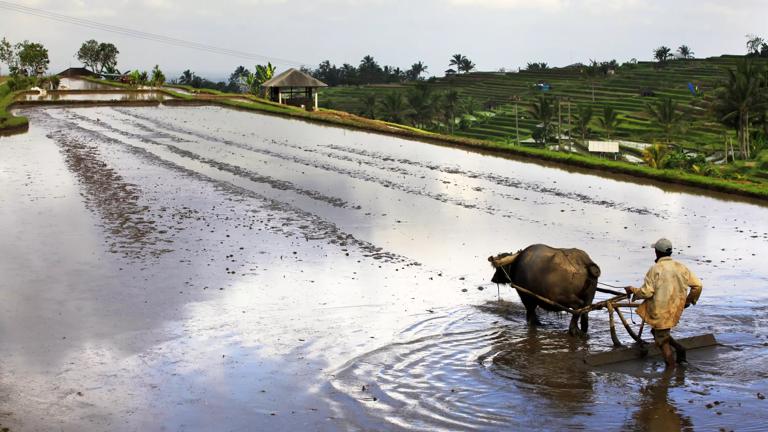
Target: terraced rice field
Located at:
point(621, 91)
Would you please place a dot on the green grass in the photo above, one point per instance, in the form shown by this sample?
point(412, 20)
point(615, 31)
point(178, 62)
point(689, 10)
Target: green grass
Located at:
point(8, 122)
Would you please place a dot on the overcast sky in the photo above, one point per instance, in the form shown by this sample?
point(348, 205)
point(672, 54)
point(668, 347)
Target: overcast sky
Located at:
point(493, 33)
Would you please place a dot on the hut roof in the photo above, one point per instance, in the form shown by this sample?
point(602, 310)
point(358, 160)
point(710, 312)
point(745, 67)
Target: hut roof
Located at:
point(294, 78)
point(77, 72)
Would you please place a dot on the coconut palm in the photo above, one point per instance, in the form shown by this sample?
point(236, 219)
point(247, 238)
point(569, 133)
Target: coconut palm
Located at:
point(369, 105)
point(187, 77)
point(393, 106)
point(662, 54)
point(543, 110)
point(466, 65)
point(685, 51)
point(665, 113)
point(610, 120)
point(421, 102)
point(582, 119)
point(740, 96)
point(656, 155)
point(450, 106)
point(416, 70)
point(457, 60)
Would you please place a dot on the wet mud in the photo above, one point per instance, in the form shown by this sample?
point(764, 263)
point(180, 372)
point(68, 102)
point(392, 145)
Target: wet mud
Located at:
point(198, 268)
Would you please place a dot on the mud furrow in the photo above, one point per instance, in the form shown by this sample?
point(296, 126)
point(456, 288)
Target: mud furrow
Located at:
point(283, 185)
point(292, 220)
point(502, 181)
point(356, 174)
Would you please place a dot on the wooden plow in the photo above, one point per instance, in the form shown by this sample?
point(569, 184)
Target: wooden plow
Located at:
point(620, 353)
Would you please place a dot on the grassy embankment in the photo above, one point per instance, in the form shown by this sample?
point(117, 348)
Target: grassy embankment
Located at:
point(8, 122)
point(744, 188)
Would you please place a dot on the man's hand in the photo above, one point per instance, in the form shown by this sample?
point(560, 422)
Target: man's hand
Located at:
point(688, 301)
point(629, 290)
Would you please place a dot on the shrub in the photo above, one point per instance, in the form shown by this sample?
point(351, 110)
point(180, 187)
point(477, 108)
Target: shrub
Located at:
point(762, 160)
point(680, 160)
point(19, 83)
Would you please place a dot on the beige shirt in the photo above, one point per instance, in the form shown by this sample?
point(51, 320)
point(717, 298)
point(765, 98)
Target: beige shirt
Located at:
point(665, 291)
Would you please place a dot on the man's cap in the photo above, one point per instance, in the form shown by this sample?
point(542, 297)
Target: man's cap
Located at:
point(662, 245)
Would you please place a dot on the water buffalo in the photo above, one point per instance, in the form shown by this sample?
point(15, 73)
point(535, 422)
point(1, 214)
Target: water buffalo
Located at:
point(565, 276)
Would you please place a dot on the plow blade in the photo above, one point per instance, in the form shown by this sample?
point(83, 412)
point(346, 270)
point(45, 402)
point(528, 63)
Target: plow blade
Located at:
point(635, 352)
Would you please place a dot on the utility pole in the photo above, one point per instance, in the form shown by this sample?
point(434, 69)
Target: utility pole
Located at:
point(570, 129)
point(559, 125)
point(517, 128)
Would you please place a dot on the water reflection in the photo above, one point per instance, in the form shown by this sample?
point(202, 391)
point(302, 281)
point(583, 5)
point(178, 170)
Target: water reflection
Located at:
point(548, 364)
point(656, 411)
point(96, 96)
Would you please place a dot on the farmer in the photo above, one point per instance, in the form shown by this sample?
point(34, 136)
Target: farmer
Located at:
point(665, 291)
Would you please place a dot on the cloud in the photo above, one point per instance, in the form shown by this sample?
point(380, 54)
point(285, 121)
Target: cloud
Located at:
point(545, 5)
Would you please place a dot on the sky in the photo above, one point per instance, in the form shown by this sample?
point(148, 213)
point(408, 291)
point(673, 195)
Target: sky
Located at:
point(493, 33)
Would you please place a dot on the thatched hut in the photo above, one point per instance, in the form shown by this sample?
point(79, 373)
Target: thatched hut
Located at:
point(293, 87)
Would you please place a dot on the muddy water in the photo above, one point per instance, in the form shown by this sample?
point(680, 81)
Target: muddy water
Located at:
point(206, 269)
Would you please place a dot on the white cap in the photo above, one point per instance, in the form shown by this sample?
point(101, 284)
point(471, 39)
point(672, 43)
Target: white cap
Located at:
point(662, 245)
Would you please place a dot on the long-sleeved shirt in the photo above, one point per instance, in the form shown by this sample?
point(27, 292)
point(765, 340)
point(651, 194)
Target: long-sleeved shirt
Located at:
point(665, 291)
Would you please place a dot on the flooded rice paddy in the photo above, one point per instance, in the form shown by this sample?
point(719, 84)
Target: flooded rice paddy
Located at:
point(198, 268)
point(96, 96)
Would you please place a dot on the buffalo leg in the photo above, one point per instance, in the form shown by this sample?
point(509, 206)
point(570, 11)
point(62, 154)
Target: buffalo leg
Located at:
point(573, 328)
point(585, 322)
point(530, 309)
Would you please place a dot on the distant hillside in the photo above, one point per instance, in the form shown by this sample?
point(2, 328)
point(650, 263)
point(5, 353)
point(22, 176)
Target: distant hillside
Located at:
point(622, 90)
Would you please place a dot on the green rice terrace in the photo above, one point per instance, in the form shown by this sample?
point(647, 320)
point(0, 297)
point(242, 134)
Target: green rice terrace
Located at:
point(495, 92)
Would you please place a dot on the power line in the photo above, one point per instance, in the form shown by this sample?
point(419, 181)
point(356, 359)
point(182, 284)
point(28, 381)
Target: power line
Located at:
point(141, 34)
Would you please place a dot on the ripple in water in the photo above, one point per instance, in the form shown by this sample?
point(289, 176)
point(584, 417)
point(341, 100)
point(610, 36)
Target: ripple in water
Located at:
point(485, 369)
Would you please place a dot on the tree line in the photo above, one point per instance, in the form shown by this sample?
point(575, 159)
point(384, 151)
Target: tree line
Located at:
point(369, 71)
point(423, 107)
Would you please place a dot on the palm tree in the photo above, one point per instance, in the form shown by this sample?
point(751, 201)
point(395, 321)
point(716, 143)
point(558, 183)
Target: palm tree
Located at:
point(187, 77)
point(457, 60)
point(662, 54)
point(466, 65)
point(741, 95)
point(422, 104)
point(416, 70)
point(666, 114)
point(685, 51)
point(369, 105)
point(610, 120)
point(656, 155)
point(543, 110)
point(582, 119)
point(393, 106)
point(450, 105)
